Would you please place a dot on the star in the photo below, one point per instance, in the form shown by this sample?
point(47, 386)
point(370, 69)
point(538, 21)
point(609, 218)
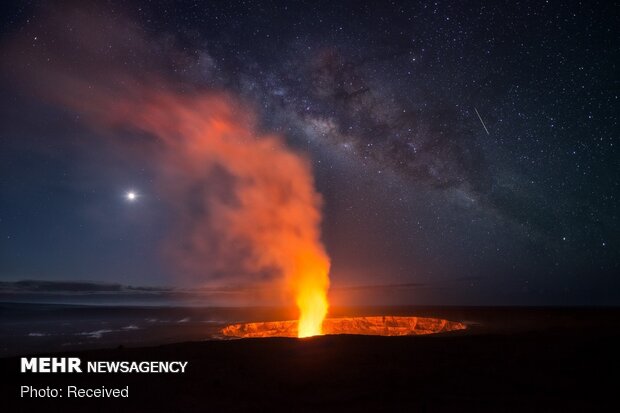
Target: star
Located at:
point(131, 196)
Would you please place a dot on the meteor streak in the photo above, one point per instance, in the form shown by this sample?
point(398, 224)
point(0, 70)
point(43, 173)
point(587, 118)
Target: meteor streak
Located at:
point(481, 121)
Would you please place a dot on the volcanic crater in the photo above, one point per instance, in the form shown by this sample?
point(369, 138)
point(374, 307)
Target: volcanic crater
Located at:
point(376, 325)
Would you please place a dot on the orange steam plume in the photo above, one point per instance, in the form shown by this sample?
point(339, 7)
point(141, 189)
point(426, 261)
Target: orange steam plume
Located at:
point(274, 211)
point(244, 201)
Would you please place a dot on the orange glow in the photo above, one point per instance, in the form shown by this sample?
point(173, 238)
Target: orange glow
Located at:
point(310, 286)
point(380, 326)
point(313, 309)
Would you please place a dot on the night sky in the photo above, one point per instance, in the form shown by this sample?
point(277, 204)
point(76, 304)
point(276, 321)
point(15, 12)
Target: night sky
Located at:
point(467, 153)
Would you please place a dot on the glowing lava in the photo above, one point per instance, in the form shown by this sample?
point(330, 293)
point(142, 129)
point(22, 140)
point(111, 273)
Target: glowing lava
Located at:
point(310, 288)
point(381, 326)
point(313, 309)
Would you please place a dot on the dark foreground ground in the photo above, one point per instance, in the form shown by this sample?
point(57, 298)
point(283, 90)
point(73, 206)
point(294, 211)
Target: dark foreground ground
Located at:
point(509, 360)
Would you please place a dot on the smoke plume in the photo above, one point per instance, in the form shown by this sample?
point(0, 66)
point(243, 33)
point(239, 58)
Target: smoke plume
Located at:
point(245, 204)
